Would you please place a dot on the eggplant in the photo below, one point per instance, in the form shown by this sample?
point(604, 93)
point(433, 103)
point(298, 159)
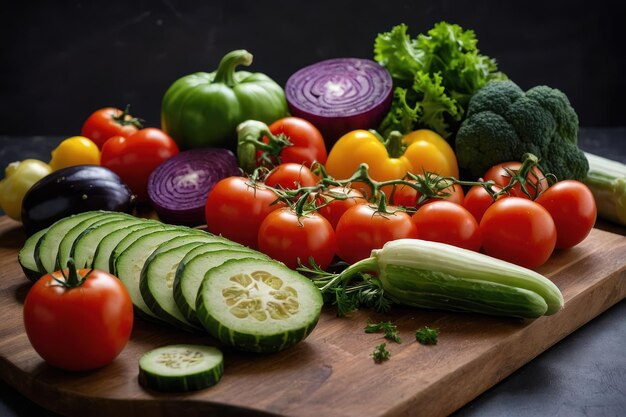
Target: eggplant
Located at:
point(73, 190)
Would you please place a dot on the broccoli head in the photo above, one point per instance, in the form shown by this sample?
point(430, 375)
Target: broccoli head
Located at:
point(503, 123)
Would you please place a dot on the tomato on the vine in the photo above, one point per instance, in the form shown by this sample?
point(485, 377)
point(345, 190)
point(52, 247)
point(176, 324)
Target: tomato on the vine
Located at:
point(108, 122)
point(477, 201)
point(573, 209)
point(293, 239)
point(134, 158)
point(363, 228)
point(500, 174)
point(235, 209)
point(337, 200)
point(407, 196)
point(518, 230)
point(290, 176)
point(446, 222)
point(81, 327)
point(307, 144)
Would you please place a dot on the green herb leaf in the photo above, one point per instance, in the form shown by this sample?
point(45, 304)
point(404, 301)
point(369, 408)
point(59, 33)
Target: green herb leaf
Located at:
point(390, 330)
point(381, 353)
point(427, 336)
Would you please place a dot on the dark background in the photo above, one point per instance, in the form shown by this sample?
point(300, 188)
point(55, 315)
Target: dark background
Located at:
point(63, 60)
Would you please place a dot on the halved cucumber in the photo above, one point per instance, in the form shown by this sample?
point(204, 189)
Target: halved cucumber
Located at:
point(102, 256)
point(66, 243)
point(85, 245)
point(26, 257)
point(47, 247)
point(190, 273)
point(258, 305)
point(177, 368)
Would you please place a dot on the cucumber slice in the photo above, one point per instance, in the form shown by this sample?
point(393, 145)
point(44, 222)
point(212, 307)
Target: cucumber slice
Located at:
point(102, 256)
point(85, 245)
point(190, 273)
point(258, 305)
point(131, 260)
point(157, 280)
point(26, 257)
point(47, 248)
point(178, 368)
point(66, 243)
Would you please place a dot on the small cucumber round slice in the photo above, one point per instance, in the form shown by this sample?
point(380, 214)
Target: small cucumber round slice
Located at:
point(177, 368)
point(258, 305)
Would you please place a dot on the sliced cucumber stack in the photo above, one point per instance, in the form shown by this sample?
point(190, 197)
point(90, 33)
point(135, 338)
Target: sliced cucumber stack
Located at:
point(178, 368)
point(26, 257)
point(258, 305)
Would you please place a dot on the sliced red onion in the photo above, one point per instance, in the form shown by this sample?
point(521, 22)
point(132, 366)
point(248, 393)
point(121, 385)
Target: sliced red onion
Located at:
point(179, 187)
point(340, 95)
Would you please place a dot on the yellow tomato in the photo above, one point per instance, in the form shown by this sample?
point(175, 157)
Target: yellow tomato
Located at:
point(77, 150)
point(19, 177)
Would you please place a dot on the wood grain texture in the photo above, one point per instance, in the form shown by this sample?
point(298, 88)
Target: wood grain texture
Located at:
point(331, 372)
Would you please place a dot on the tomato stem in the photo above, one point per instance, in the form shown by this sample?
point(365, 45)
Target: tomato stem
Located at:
point(72, 279)
point(125, 119)
point(250, 136)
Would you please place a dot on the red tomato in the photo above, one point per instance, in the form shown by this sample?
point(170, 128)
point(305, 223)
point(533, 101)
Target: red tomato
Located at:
point(108, 122)
point(573, 210)
point(290, 176)
point(337, 200)
point(500, 175)
point(79, 328)
point(291, 239)
point(518, 230)
point(134, 158)
point(407, 196)
point(235, 209)
point(447, 222)
point(477, 200)
point(307, 141)
point(362, 228)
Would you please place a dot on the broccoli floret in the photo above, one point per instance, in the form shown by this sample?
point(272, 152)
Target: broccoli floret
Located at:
point(503, 123)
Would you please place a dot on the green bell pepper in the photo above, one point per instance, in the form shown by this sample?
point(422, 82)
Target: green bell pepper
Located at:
point(204, 109)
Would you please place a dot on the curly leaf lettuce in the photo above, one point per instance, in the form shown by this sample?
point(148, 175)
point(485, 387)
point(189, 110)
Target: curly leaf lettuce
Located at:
point(438, 73)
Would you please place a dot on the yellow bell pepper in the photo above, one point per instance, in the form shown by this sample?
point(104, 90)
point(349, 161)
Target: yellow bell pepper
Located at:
point(416, 152)
point(77, 150)
point(19, 177)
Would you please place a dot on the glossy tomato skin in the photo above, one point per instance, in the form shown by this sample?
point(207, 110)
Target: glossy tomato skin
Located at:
point(290, 176)
point(307, 142)
point(573, 209)
point(102, 125)
point(500, 176)
point(518, 230)
point(407, 196)
point(81, 328)
point(290, 238)
point(333, 208)
point(477, 201)
point(446, 222)
point(362, 228)
point(235, 209)
point(135, 157)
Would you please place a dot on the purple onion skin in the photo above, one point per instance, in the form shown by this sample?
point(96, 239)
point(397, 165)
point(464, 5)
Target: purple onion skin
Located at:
point(340, 95)
point(179, 187)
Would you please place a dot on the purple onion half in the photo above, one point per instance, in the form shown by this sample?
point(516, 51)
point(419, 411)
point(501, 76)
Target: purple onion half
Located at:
point(340, 95)
point(179, 187)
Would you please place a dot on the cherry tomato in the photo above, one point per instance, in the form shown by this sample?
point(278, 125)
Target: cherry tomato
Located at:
point(235, 209)
point(407, 196)
point(500, 175)
point(290, 176)
point(108, 122)
point(307, 143)
point(135, 157)
point(337, 200)
point(294, 239)
point(79, 328)
point(447, 222)
point(573, 210)
point(477, 200)
point(518, 230)
point(363, 228)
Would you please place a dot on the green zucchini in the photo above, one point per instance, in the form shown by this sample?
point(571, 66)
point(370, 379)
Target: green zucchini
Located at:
point(258, 305)
point(26, 257)
point(192, 269)
point(178, 368)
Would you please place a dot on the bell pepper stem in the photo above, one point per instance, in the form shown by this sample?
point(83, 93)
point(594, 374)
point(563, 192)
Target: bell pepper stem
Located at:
point(226, 71)
point(394, 145)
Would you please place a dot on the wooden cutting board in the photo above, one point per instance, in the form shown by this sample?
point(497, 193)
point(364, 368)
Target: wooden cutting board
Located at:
point(331, 373)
